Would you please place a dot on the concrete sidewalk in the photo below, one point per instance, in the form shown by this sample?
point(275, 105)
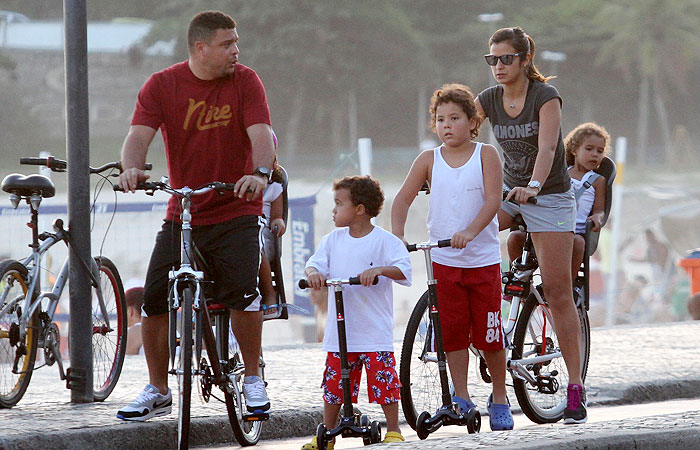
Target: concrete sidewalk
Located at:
point(628, 365)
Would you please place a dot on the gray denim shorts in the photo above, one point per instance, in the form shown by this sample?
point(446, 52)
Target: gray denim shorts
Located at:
point(553, 212)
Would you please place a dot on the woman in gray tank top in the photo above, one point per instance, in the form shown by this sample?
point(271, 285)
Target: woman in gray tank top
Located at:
point(525, 115)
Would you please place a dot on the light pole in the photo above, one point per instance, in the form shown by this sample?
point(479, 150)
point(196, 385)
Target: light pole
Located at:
point(555, 58)
point(492, 19)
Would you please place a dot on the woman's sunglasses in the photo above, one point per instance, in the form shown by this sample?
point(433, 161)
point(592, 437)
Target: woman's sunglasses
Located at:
point(507, 60)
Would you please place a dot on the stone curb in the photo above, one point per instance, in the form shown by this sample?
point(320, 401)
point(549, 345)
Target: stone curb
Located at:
point(286, 424)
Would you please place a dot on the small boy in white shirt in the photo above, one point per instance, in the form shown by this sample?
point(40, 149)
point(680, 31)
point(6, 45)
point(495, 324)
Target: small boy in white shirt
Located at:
point(359, 248)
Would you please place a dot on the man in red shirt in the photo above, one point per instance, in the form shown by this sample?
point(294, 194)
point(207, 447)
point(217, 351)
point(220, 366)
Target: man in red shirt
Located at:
point(213, 115)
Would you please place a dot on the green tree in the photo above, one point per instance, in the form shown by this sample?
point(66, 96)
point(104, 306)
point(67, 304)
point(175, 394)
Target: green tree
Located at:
point(655, 43)
point(317, 59)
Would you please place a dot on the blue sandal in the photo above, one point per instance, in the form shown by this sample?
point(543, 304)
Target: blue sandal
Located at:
point(500, 417)
point(464, 405)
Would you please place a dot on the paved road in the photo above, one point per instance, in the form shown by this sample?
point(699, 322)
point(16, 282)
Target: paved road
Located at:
point(656, 425)
point(628, 365)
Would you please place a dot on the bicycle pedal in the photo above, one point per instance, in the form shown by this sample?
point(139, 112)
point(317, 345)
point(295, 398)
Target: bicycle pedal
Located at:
point(256, 416)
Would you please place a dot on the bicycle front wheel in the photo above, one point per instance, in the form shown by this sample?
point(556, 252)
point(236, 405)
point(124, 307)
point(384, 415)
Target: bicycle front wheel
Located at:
point(108, 342)
point(420, 379)
point(246, 433)
point(183, 367)
point(545, 400)
point(17, 355)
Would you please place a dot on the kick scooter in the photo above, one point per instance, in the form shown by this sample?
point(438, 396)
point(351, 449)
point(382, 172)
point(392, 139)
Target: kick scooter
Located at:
point(449, 413)
point(352, 424)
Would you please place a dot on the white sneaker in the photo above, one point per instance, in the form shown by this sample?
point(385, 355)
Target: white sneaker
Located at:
point(149, 403)
point(255, 394)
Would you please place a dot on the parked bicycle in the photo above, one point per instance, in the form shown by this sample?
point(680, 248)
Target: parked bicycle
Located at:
point(27, 313)
point(196, 348)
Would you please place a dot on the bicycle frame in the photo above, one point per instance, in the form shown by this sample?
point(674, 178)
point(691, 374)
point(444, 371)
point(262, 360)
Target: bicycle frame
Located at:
point(33, 299)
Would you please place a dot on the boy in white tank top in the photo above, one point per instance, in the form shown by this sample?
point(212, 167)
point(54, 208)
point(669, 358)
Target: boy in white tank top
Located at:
point(466, 183)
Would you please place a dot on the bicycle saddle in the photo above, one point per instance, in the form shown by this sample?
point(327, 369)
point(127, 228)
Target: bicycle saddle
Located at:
point(26, 185)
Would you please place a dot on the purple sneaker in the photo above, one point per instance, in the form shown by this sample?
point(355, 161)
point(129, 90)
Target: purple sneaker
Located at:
point(575, 411)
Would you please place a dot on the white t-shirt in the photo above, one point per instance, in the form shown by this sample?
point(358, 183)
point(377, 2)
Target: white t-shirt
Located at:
point(272, 191)
point(369, 311)
point(584, 206)
point(456, 197)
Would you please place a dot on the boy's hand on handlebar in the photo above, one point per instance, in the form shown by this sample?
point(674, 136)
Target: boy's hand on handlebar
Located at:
point(316, 280)
point(250, 186)
point(131, 177)
point(461, 238)
point(521, 194)
point(367, 277)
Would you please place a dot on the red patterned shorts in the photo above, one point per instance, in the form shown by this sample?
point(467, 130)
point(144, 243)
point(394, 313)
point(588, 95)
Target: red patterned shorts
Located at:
point(383, 384)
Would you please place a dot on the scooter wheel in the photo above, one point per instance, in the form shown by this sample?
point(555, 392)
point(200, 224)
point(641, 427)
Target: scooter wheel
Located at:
point(375, 435)
point(321, 437)
point(473, 421)
point(364, 420)
point(422, 425)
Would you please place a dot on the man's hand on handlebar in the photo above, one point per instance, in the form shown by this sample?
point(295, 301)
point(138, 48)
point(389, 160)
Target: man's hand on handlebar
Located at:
point(521, 194)
point(131, 177)
point(250, 186)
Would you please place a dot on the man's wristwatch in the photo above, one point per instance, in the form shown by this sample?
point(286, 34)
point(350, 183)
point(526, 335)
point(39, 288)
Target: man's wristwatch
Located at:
point(535, 184)
point(263, 171)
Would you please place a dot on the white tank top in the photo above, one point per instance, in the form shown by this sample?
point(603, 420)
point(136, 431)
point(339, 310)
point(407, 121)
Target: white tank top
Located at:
point(456, 197)
point(585, 202)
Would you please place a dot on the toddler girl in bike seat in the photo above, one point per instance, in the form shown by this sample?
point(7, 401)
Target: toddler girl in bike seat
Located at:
point(466, 184)
point(359, 248)
point(586, 145)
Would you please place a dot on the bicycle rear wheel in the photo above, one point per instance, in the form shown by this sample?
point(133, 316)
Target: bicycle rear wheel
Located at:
point(418, 371)
point(183, 367)
point(246, 433)
point(108, 343)
point(535, 336)
point(13, 289)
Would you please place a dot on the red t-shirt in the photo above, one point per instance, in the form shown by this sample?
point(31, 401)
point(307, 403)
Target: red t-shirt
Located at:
point(203, 124)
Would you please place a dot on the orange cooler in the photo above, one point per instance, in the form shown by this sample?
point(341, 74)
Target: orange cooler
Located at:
point(691, 264)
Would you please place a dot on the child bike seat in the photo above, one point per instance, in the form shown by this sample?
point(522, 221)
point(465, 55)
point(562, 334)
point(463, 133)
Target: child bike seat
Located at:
point(27, 185)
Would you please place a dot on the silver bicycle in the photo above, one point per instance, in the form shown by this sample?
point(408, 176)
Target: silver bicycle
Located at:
point(27, 312)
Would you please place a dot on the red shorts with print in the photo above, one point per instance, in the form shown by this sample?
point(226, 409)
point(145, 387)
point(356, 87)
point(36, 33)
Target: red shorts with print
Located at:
point(383, 384)
point(470, 307)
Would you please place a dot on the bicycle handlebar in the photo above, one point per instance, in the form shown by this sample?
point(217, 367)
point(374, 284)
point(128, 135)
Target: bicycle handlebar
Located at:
point(304, 284)
point(531, 200)
point(60, 165)
point(151, 186)
point(429, 245)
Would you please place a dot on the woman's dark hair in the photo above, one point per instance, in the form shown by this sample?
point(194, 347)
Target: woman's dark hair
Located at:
point(460, 95)
point(363, 191)
point(522, 43)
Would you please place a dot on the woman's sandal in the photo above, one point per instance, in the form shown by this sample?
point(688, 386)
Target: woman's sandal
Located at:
point(500, 417)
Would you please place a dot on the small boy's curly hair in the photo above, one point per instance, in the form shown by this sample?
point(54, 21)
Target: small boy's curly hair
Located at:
point(363, 191)
point(575, 138)
point(458, 94)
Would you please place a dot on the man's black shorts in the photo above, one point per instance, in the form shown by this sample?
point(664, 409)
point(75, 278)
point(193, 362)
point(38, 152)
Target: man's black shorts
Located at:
point(232, 253)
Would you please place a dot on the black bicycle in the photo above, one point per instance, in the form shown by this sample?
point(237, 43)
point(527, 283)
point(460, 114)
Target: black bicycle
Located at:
point(199, 347)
